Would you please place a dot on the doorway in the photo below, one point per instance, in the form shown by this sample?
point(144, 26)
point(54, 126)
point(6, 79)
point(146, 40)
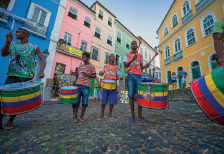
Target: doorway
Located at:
point(178, 73)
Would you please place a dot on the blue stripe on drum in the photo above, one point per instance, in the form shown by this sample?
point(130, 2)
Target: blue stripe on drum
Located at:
point(68, 93)
point(15, 104)
point(210, 98)
point(164, 98)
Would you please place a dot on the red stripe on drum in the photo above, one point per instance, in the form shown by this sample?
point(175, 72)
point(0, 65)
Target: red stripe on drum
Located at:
point(204, 104)
point(24, 108)
point(68, 91)
point(153, 104)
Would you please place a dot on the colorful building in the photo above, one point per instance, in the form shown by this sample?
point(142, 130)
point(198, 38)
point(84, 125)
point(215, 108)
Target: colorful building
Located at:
point(74, 38)
point(102, 41)
point(38, 17)
point(185, 36)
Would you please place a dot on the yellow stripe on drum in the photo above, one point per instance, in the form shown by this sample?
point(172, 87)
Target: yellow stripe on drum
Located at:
point(108, 86)
point(20, 98)
point(156, 93)
point(213, 89)
point(68, 96)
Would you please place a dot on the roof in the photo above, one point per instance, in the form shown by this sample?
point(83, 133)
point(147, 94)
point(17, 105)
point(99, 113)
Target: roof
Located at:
point(86, 6)
point(140, 38)
point(103, 7)
point(126, 28)
point(166, 16)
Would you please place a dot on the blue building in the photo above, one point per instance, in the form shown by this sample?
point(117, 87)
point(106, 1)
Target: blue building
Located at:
point(39, 18)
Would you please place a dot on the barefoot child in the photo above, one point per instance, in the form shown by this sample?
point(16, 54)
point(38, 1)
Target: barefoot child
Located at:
point(111, 72)
point(85, 73)
point(174, 80)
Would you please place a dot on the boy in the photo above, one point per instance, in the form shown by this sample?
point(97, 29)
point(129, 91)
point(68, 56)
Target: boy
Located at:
point(111, 72)
point(97, 91)
point(84, 75)
point(184, 78)
point(133, 62)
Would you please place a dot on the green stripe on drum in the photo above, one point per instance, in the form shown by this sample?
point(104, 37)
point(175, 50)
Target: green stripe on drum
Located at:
point(19, 93)
point(70, 100)
point(153, 88)
point(217, 77)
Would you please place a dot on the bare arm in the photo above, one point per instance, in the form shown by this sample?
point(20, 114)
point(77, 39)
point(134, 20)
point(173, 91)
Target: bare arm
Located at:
point(218, 44)
point(42, 64)
point(143, 67)
point(126, 64)
point(5, 49)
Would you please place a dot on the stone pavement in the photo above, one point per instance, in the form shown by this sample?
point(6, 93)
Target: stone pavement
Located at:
point(183, 128)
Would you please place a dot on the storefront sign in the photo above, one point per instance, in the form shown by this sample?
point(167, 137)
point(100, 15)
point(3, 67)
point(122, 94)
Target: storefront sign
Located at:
point(69, 50)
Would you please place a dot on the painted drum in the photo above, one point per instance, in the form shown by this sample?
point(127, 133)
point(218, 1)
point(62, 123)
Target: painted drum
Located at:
point(108, 84)
point(208, 91)
point(69, 94)
point(153, 95)
point(17, 98)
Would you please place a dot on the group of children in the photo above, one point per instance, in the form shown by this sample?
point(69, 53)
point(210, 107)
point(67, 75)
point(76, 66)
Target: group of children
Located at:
point(133, 62)
point(183, 75)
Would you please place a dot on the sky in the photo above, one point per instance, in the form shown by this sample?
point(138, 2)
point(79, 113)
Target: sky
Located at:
point(141, 17)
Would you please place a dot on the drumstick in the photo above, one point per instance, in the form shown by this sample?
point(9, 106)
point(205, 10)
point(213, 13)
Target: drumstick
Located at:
point(153, 57)
point(139, 45)
point(13, 21)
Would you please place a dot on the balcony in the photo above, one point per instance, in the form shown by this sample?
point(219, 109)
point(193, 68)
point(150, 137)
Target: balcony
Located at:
point(35, 28)
point(167, 61)
point(186, 17)
point(178, 56)
point(3, 17)
point(203, 4)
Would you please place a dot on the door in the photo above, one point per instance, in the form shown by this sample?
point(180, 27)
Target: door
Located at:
point(196, 72)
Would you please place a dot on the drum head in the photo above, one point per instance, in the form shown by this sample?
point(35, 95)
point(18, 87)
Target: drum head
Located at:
point(19, 86)
point(153, 84)
point(108, 81)
point(69, 88)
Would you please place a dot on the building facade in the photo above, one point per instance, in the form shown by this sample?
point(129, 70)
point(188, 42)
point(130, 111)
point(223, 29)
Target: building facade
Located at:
point(185, 36)
point(102, 40)
point(75, 37)
point(38, 17)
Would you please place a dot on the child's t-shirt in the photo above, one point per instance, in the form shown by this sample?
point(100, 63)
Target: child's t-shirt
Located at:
point(85, 80)
point(184, 74)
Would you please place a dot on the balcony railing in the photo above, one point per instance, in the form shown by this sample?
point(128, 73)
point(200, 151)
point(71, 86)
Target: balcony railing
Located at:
point(186, 17)
point(203, 4)
point(4, 16)
point(167, 61)
point(177, 56)
point(35, 27)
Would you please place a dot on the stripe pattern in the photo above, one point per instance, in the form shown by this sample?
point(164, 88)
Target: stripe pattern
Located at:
point(17, 102)
point(208, 91)
point(68, 96)
point(159, 96)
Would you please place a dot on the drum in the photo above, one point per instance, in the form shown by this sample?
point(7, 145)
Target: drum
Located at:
point(17, 98)
point(208, 91)
point(69, 94)
point(108, 84)
point(153, 95)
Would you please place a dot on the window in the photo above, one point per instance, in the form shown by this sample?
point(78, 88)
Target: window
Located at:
point(39, 16)
point(186, 7)
point(118, 36)
point(207, 23)
point(167, 52)
point(149, 56)
point(110, 21)
point(109, 39)
point(100, 14)
point(95, 54)
point(73, 13)
point(141, 51)
point(87, 22)
point(149, 71)
point(145, 54)
point(68, 38)
point(97, 32)
point(107, 61)
point(127, 43)
point(223, 8)
point(117, 60)
point(174, 20)
point(190, 37)
point(6, 4)
point(166, 31)
point(153, 61)
point(84, 45)
point(177, 45)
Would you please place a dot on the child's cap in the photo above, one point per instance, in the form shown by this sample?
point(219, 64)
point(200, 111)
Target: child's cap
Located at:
point(111, 55)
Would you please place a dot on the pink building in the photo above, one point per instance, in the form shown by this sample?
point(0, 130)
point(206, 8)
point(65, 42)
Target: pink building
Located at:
point(74, 39)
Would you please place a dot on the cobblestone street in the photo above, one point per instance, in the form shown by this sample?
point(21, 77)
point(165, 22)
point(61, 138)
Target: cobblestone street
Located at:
point(183, 128)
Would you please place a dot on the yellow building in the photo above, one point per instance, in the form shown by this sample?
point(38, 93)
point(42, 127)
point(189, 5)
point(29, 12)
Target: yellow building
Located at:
point(185, 37)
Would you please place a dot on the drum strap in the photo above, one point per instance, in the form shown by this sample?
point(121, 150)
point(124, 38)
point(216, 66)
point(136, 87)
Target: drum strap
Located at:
point(134, 76)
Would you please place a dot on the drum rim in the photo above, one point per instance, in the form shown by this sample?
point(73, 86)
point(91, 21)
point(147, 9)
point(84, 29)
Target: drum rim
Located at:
point(69, 89)
point(153, 84)
point(25, 88)
point(109, 80)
